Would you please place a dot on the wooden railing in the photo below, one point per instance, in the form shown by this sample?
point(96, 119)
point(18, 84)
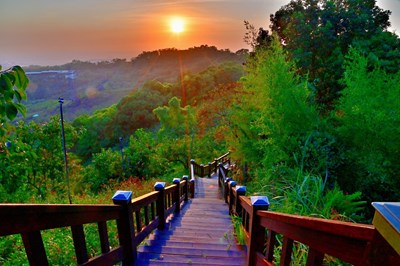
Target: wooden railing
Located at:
point(135, 219)
point(358, 244)
point(202, 170)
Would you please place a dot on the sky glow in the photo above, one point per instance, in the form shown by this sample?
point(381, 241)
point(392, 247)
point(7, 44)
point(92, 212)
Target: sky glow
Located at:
point(48, 32)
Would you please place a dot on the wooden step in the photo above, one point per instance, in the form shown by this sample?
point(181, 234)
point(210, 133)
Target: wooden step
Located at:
point(192, 244)
point(153, 258)
point(202, 234)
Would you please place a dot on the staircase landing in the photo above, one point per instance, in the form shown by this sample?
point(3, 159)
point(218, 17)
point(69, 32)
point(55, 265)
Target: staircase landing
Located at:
point(202, 234)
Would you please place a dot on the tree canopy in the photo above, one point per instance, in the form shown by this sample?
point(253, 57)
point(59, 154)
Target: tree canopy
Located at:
point(318, 34)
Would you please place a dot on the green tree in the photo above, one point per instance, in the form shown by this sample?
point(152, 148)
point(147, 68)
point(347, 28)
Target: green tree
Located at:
point(95, 132)
point(144, 156)
point(13, 83)
point(136, 110)
point(368, 116)
point(318, 33)
point(106, 165)
point(273, 113)
point(177, 131)
point(34, 160)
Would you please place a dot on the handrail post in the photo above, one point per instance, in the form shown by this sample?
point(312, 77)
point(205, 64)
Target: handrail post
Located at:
point(231, 185)
point(226, 188)
point(256, 231)
point(215, 164)
point(177, 194)
point(220, 176)
point(186, 188)
point(160, 187)
point(126, 230)
point(240, 191)
point(202, 170)
point(209, 169)
point(192, 184)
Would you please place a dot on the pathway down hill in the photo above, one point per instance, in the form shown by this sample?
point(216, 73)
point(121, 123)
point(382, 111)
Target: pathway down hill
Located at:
point(202, 234)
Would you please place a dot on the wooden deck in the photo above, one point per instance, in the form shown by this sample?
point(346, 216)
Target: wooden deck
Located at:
point(202, 234)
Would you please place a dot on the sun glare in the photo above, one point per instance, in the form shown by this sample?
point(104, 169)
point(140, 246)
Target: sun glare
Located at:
point(177, 25)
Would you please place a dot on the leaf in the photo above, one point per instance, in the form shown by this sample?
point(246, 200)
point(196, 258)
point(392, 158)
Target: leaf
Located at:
point(5, 83)
point(17, 95)
point(11, 111)
point(21, 80)
point(21, 108)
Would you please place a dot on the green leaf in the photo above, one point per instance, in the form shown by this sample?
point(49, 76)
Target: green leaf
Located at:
point(2, 110)
point(21, 80)
point(17, 95)
point(11, 111)
point(5, 83)
point(21, 108)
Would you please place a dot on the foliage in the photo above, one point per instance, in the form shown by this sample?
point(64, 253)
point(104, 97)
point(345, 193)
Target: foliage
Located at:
point(309, 195)
point(177, 131)
point(273, 113)
point(368, 114)
point(318, 34)
point(143, 155)
point(34, 159)
point(136, 110)
point(105, 165)
point(13, 83)
point(95, 132)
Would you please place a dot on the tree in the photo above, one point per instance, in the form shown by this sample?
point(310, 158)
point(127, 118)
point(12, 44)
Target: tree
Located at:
point(178, 127)
point(368, 119)
point(13, 83)
point(318, 33)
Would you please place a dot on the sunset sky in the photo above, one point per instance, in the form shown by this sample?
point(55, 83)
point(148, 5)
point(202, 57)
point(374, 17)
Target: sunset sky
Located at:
point(48, 32)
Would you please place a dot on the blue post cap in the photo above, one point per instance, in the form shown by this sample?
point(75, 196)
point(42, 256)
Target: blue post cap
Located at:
point(241, 189)
point(159, 185)
point(209, 163)
point(122, 196)
point(192, 180)
point(192, 161)
point(202, 165)
point(228, 179)
point(259, 200)
point(176, 180)
point(232, 183)
point(185, 177)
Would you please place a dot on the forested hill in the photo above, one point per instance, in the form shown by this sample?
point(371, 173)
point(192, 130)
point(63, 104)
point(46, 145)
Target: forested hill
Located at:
point(88, 86)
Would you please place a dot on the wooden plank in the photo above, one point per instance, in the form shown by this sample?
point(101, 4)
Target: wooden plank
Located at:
point(24, 218)
point(347, 248)
point(78, 236)
point(287, 248)
point(261, 261)
point(103, 235)
point(110, 258)
point(271, 242)
point(339, 228)
point(34, 248)
point(147, 199)
point(314, 258)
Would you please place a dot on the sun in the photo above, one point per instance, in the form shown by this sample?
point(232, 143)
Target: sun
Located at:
point(177, 25)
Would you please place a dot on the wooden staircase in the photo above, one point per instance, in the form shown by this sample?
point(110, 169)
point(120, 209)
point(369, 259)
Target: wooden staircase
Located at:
point(201, 234)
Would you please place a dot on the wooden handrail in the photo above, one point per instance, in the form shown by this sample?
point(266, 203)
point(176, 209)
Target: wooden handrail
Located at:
point(136, 219)
point(359, 244)
point(202, 170)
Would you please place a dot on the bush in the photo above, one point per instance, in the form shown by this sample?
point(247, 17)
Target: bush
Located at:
point(369, 119)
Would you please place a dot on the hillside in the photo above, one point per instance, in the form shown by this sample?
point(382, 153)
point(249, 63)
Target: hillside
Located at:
point(87, 86)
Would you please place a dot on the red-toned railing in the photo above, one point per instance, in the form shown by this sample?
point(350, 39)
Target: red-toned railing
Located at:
point(135, 219)
point(358, 244)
